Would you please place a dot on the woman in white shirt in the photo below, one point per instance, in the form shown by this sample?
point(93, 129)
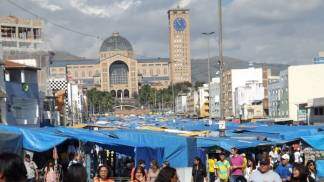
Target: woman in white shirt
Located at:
point(250, 168)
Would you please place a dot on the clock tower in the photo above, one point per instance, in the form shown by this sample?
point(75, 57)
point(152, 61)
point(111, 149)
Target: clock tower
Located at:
point(179, 45)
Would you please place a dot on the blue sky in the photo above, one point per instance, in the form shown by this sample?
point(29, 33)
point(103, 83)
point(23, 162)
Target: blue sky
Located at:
point(276, 31)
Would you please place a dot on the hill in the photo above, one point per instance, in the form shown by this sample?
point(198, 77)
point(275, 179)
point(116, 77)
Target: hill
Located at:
point(199, 67)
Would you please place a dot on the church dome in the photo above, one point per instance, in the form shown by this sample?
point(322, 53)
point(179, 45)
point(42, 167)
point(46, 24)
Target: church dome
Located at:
point(116, 43)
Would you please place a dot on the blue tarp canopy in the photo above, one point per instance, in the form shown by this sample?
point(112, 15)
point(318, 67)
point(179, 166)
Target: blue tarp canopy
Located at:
point(178, 150)
point(35, 139)
point(316, 141)
point(320, 168)
point(228, 143)
point(282, 131)
point(112, 141)
point(11, 142)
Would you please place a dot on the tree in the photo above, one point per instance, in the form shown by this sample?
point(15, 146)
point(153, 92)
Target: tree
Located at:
point(198, 84)
point(99, 101)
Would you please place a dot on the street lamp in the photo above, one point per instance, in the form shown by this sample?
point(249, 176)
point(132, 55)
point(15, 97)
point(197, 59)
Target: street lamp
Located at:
point(220, 57)
point(208, 47)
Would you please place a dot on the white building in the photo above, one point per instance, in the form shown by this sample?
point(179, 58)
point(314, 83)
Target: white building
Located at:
point(203, 103)
point(296, 86)
point(244, 95)
point(233, 79)
point(181, 104)
point(76, 101)
point(214, 92)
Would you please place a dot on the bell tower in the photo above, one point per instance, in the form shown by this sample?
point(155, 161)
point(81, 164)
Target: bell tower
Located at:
point(179, 45)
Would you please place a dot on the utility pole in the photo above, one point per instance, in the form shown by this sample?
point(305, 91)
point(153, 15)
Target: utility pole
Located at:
point(208, 47)
point(221, 59)
point(222, 123)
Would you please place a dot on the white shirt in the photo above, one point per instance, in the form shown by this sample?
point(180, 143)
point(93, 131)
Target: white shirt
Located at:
point(298, 158)
point(31, 168)
point(274, 157)
point(269, 176)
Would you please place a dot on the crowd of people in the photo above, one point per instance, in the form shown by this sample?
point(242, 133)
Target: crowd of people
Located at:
point(277, 165)
point(15, 169)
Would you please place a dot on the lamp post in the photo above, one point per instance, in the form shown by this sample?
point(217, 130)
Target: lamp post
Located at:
point(220, 56)
point(208, 47)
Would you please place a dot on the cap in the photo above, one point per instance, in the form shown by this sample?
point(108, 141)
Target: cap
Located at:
point(285, 156)
point(265, 161)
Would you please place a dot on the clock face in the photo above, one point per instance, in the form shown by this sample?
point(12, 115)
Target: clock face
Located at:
point(179, 24)
point(25, 87)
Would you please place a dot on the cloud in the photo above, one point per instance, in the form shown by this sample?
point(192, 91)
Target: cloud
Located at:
point(276, 31)
point(47, 5)
point(114, 9)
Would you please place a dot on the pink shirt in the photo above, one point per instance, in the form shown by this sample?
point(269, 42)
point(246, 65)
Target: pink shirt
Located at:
point(237, 161)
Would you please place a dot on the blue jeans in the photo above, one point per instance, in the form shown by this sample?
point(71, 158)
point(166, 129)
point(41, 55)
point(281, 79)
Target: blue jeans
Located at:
point(233, 178)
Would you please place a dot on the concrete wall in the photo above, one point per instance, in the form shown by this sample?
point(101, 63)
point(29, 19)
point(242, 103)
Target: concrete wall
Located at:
point(304, 82)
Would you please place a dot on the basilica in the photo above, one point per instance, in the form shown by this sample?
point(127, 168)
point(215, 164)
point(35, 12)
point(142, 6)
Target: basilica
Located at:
point(118, 71)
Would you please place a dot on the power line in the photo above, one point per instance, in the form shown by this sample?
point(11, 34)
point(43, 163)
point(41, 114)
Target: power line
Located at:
point(53, 23)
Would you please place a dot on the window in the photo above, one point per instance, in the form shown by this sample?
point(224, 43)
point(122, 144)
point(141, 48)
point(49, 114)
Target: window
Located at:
point(15, 76)
point(90, 74)
point(83, 74)
point(76, 74)
point(158, 71)
point(319, 111)
point(165, 71)
point(118, 73)
point(151, 72)
point(144, 71)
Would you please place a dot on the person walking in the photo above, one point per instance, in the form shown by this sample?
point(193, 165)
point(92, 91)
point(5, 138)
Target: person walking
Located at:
point(222, 168)
point(211, 167)
point(167, 174)
point(237, 164)
point(311, 171)
point(103, 174)
point(274, 157)
point(153, 172)
point(250, 168)
point(50, 173)
point(299, 173)
point(32, 170)
point(76, 173)
point(141, 163)
point(198, 171)
point(284, 169)
point(264, 172)
point(140, 175)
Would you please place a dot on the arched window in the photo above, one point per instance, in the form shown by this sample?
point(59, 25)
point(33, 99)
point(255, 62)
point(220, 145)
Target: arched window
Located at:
point(119, 93)
point(118, 73)
point(126, 93)
point(113, 93)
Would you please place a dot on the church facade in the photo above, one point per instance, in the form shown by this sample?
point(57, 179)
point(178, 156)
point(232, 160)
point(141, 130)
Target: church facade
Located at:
point(116, 71)
point(119, 72)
